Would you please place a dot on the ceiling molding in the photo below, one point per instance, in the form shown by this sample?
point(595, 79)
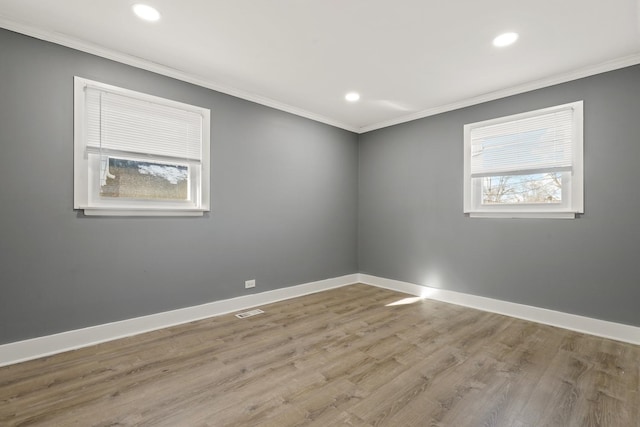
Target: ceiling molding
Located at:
point(74, 43)
point(591, 70)
point(77, 44)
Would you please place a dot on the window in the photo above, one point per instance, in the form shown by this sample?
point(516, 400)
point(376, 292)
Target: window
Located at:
point(525, 166)
point(137, 154)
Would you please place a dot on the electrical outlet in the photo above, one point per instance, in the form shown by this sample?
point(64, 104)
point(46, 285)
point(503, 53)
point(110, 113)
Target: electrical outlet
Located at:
point(250, 284)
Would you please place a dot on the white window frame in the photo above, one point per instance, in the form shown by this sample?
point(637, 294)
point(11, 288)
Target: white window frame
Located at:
point(87, 168)
point(572, 189)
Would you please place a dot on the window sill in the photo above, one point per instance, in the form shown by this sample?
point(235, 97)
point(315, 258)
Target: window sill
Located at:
point(141, 212)
point(523, 215)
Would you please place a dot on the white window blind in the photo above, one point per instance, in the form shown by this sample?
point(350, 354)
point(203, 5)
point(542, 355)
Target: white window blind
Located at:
point(120, 123)
point(538, 144)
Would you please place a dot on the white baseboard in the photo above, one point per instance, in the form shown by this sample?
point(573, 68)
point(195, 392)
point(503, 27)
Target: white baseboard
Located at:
point(21, 351)
point(587, 325)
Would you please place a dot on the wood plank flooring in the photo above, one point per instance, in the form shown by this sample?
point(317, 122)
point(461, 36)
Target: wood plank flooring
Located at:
point(340, 357)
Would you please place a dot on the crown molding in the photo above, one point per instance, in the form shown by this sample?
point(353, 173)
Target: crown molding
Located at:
point(591, 70)
point(94, 49)
point(77, 44)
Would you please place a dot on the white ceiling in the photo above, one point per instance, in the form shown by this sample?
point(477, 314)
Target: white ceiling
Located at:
point(407, 58)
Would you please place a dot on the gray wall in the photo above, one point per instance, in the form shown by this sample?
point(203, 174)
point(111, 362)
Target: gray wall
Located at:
point(411, 225)
point(295, 201)
point(284, 194)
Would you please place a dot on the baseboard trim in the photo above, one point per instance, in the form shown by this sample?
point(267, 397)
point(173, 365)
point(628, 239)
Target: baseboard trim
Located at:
point(35, 348)
point(587, 325)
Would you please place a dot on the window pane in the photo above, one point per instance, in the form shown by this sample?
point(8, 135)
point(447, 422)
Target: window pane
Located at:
point(143, 180)
point(536, 188)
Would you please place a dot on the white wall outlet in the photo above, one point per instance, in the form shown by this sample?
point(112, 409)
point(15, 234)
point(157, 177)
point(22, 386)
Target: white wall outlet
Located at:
point(250, 284)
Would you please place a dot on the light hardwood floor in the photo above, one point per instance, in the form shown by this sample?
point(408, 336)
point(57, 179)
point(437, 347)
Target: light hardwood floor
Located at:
point(340, 357)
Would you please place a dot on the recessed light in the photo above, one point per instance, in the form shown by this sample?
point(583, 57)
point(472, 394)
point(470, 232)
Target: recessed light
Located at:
point(145, 12)
point(505, 39)
point(352, 96)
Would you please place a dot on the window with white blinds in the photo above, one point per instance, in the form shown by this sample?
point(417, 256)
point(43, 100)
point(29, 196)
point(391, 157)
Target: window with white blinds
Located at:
point(525, 165)
point(138, 154)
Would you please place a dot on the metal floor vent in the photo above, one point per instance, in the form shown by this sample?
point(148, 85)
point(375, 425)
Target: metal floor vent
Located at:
point(249, 313)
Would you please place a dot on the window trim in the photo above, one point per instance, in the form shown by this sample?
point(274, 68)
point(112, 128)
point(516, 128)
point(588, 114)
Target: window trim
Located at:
point(575, 191)
point(81, 177)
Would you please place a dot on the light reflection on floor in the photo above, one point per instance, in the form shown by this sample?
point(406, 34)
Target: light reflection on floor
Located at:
point(405, 301)
point(424, 294)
